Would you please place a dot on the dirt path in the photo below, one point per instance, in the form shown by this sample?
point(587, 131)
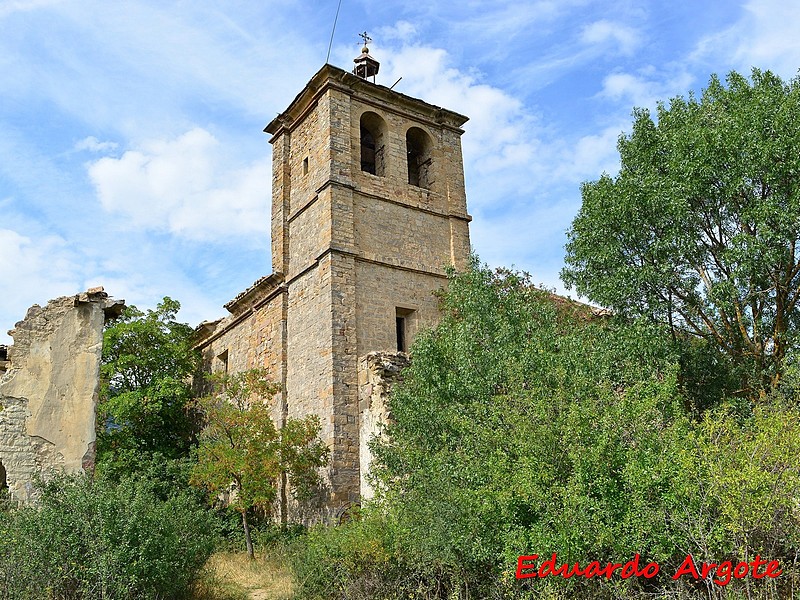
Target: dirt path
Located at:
point(266, 578)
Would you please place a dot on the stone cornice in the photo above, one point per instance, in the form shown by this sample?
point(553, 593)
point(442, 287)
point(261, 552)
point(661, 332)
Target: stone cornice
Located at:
point(334, 77)
point(254, 293)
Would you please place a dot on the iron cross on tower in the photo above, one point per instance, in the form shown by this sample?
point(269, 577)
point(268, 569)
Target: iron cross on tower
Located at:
point(365, 65)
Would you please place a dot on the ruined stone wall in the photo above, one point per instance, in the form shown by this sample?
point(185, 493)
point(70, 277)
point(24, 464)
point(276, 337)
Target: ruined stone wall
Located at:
point(377, 373)
point(48, 395)
point(4, 362)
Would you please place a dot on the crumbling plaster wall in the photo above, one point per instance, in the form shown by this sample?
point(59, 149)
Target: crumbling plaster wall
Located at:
point(377, 373)
point(48, 394)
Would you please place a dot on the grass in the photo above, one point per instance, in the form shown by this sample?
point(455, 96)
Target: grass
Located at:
point(233, 576)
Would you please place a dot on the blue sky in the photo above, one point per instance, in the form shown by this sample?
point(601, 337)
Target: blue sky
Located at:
point(131, 146)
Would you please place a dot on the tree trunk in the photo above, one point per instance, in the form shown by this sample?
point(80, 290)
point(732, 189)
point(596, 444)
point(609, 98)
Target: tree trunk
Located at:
point(284, 500)
point(247, 539)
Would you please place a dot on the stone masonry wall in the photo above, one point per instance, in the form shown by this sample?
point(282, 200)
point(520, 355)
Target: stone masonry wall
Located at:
point(48, 395)
point(251, 340)
point(353, 252)
point(397, 235)
point(380, 291)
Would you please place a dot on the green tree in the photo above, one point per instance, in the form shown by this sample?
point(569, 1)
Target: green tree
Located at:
point(700, 229)
point(241, 451)
point(145, 403)
point(525, 425)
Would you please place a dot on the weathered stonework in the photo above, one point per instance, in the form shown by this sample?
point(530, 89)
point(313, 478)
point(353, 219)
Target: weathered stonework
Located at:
point(48, 392)
point(363, 230)
point(377, 373)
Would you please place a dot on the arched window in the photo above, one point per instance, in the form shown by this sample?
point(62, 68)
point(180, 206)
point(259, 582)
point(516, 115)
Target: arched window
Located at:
point(373, 136)
point(418, 150)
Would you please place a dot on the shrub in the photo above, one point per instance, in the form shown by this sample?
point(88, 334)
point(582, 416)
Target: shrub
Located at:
point(525, 426)
point(351, 561)
point(100, 540)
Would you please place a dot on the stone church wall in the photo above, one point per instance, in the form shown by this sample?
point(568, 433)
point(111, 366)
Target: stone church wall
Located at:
point(252, 337)
point(358, 250)
point(380, 291)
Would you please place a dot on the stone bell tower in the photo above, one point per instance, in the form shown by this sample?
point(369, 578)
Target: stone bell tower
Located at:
point(368, 211)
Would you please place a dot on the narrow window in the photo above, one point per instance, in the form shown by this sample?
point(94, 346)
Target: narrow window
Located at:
point(3, 482)
point(418, 152)
point(401, 333)
point(372, 142)
point(403, 317)
point(305, 166)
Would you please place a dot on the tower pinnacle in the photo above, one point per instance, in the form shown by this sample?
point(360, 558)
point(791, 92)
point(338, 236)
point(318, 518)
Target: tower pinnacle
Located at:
point(366, 66)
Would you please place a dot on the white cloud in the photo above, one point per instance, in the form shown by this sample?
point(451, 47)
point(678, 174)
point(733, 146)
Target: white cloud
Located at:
point(189, 186)
point(620, 86)
point(592, 155)
point(648, 86)
point(765, 37)
point(92, 144)
point(505, 20)
point(33, 272)
point(401, 31)
point(603, 31)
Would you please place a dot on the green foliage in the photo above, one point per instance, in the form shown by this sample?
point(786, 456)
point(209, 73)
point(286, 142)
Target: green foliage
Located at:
point(242, 451)
point(98, 539)
point(745, 473)
point(239, 444)
point(145, 400)
point(527, 426)
point(700, 229)
point(352, 561)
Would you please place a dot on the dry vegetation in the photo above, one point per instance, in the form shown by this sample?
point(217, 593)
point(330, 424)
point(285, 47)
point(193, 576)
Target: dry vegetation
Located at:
point(232, 576)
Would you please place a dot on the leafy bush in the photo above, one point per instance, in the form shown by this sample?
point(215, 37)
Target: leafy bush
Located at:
point(100, 540)
point(352, 561)
point(527, 426)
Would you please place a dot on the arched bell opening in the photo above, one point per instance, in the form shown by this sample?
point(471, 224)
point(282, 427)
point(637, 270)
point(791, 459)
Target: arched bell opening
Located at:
point(418, 150)
point(373, 144)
